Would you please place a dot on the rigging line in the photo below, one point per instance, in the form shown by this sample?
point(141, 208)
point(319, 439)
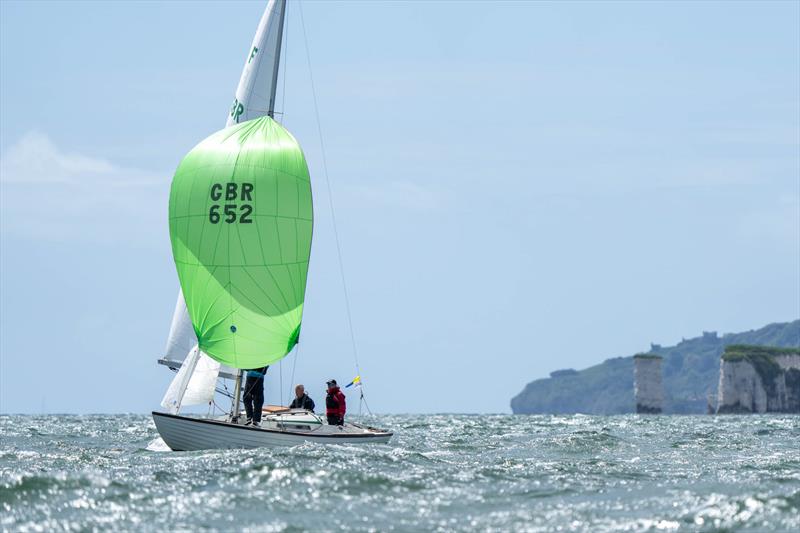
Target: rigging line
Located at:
point(223, 392)
point(294, 364)
point(328, 185)
point(363, 399)
point(285, 60)
point(221, 410)
point(280, 372)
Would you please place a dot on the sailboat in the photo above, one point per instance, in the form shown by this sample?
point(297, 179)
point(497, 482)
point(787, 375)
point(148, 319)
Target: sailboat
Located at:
point(241, 220)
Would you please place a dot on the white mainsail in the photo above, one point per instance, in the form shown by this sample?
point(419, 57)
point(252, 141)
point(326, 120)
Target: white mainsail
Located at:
point(255, 97)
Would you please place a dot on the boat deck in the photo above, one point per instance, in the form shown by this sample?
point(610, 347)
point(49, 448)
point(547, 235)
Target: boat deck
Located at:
point(278, 429)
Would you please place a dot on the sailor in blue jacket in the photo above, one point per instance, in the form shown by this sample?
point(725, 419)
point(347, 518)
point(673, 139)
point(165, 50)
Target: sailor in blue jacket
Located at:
point(254, 395)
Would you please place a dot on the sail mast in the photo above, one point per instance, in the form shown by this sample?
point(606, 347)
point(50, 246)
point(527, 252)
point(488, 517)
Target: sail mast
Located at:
point(277, 63)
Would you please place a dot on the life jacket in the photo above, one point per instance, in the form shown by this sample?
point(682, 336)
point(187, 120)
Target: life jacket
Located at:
point(335, 402)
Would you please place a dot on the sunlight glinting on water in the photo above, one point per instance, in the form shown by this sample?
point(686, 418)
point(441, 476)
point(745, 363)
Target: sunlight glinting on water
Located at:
point(440, 473)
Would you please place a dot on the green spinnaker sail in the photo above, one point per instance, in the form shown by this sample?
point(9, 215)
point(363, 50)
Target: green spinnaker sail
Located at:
point(240, 221)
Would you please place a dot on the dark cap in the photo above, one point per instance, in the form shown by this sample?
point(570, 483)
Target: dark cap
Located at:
point(331, 382)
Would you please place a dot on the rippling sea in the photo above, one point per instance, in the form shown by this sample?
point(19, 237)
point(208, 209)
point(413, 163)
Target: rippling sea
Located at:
point(440, 473)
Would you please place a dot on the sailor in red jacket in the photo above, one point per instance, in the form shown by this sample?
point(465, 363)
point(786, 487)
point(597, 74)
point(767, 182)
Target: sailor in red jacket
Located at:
point(335, 406)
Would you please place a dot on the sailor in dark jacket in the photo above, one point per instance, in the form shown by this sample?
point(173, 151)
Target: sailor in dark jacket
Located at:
point(254, 395)
point(301, 400)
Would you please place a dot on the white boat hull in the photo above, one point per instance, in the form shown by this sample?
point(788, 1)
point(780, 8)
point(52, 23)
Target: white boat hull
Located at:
point(184, 433)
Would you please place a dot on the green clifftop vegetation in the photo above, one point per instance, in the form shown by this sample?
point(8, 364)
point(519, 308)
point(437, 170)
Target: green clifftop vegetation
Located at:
point(763, 360)
point(738, 352)
point(691, 372)
point(647, 356)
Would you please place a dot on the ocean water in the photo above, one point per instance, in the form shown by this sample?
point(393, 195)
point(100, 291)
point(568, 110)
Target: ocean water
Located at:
point(440, 473)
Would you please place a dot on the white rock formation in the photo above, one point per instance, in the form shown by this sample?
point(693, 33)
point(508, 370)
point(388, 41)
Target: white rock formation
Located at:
point(647, 384)
point(742, 389)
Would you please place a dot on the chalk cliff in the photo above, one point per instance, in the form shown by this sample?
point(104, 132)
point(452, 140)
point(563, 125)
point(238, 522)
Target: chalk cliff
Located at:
point(648, 388)
point(759, 379)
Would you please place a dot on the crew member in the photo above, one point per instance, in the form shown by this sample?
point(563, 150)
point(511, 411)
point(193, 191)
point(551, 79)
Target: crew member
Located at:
point(254, 395)
point(335, 406)
point(301, 399)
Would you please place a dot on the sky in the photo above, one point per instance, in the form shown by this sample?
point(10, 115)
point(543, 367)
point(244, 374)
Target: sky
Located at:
point(519, 187)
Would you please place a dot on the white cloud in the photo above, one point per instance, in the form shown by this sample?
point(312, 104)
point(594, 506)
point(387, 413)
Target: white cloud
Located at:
point(51, 193)
point(35, 159)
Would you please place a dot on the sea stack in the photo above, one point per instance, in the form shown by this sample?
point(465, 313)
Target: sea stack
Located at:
point(759, 379)
point(647, 384)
